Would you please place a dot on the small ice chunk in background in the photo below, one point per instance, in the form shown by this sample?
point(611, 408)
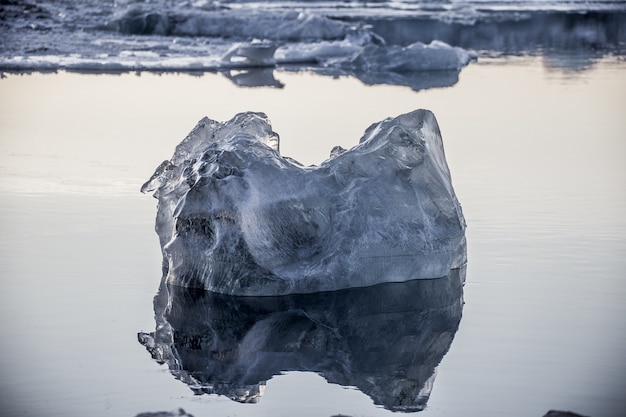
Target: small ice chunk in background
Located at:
point(236, 217)
point(253, 53)
point(436, 55)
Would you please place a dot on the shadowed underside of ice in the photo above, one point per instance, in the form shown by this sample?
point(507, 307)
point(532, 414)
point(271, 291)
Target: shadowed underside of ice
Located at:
point(235, 217)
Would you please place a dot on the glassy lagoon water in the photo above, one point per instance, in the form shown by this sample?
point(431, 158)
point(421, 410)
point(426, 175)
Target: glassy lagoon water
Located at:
point(536, 152)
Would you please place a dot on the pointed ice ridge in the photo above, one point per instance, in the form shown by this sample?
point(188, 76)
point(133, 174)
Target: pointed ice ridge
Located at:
point(235, 217)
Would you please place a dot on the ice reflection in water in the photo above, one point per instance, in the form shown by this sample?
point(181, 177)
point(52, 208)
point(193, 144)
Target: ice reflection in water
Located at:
point(386, 340)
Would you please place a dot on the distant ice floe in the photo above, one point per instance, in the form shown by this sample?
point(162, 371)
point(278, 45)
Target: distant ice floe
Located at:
point(256, 39)
point(394, 42)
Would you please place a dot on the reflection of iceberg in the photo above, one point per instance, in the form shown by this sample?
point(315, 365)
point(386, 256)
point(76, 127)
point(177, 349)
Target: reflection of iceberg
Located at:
point(235, 217)
point(386, 340)
point(368, 58)
point(252, 77)
point(416, 80)
point(414, 57)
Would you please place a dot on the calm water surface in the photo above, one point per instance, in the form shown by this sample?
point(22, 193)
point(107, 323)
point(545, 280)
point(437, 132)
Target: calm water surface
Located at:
point(536, 153)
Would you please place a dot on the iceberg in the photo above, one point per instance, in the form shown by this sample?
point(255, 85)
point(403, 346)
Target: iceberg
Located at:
point(236, 217)
point(386, 341)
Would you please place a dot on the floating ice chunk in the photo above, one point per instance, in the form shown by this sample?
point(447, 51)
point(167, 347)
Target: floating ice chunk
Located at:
point(253, 54)
point(416, 57)
point(252, 76)
point(328, 51)
point(235, 217)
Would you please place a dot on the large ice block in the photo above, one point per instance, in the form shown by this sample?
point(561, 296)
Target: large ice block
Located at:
point(236, 217)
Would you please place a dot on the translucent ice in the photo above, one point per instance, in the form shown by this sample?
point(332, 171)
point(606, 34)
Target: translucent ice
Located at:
point(235, 217)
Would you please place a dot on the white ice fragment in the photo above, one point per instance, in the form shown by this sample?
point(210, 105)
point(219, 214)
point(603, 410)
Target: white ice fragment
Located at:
point(253, 54)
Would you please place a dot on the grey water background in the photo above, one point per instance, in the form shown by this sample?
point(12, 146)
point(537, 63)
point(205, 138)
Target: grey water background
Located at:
point(535, 141)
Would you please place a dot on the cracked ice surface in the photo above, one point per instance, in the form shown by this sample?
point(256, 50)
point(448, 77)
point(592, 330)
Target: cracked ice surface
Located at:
point(236, 217)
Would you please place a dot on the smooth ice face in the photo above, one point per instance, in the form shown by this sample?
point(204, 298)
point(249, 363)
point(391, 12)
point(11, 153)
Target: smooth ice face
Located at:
point(385, 341)
point(235, 217)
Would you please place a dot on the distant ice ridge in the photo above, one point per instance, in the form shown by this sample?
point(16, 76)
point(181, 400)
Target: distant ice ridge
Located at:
point(329, 37)
point(235, 217)
point(142, 38)
point(302, 37)
point(239, 24)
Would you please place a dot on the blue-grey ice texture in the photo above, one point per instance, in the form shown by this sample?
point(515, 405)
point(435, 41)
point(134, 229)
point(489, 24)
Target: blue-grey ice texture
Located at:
point(235, 217)
point(385, 41)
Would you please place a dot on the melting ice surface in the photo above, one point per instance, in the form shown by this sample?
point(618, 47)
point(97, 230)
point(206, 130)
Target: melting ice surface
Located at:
point(386, 340)
point(235, 217)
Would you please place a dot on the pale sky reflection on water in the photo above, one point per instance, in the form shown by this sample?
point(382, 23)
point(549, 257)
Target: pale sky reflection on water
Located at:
point(536, 159)
point(507, 105)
